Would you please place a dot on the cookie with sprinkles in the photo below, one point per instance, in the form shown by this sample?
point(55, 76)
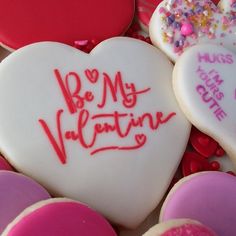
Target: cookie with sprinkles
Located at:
point(228, 6)
point(178, 24)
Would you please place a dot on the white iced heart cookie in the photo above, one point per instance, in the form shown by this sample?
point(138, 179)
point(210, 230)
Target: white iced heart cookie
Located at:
point(176, 25)
point(205, 88)
point(103, 128)
point(228, 6)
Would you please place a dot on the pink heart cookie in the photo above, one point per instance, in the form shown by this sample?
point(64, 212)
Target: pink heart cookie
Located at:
point(59, 216)
point(209, 197)
point(95, 139)
point(25, 22)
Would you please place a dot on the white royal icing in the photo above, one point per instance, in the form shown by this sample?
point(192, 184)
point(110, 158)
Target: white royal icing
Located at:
point(228, 6)
point(209, 25)
point(205, 87)
point(103, 128)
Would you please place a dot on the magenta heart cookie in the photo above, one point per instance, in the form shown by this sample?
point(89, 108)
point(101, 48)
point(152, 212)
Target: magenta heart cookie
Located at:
point(25, 22)
point(208, 197)
point(96, 126)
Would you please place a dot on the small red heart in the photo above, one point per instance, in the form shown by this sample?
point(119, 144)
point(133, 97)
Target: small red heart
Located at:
point(193, 163)
point(202, 143)
point(92, 75)
point(140, 138)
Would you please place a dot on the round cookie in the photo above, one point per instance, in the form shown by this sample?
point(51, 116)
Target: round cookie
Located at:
point(180, 227)
point(59, 216)
point(209, 197)
point(100, 125)
point(17, 192)
point(144, 11)
point(205, 88)
point(25, 22)
point(177, 25)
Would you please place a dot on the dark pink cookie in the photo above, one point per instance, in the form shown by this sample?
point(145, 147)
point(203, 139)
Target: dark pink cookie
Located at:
point(59, 217)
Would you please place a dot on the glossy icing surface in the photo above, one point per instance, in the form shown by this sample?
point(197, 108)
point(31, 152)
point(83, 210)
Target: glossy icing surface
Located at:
point(59, 217)
point(25, 22)
point(127, 105)
point(206, 91)
point(16, 193)
point(177, 25)
point(208, 197)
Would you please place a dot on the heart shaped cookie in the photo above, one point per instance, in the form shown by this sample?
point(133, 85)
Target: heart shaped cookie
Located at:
point(228, 6)
point(177, 25)
point(94, 127)
point(205, 87)
point(25, 22)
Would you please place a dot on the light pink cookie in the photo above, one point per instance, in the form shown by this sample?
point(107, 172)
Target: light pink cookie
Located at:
point(17, 192)
point(59, 217)
point(208, 197)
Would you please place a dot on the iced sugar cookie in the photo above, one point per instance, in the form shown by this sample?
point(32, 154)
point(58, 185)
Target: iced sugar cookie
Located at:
point(59, 217)
point(145, 9)
point(228, 6)
point(180, 227)
point(205, 88)
point(100, 123)
point(25, 22)
point(209, 197)
point(16, 193)
point(177, 25)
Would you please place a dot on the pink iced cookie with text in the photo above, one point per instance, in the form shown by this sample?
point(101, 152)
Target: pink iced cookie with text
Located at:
point(177, 25)
point(59, 217)
point(100, 124)
point(205, 88)
point(17, 192)
point(180, 227)
point(145, 9)
point(208, 197)
point(25, 22)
